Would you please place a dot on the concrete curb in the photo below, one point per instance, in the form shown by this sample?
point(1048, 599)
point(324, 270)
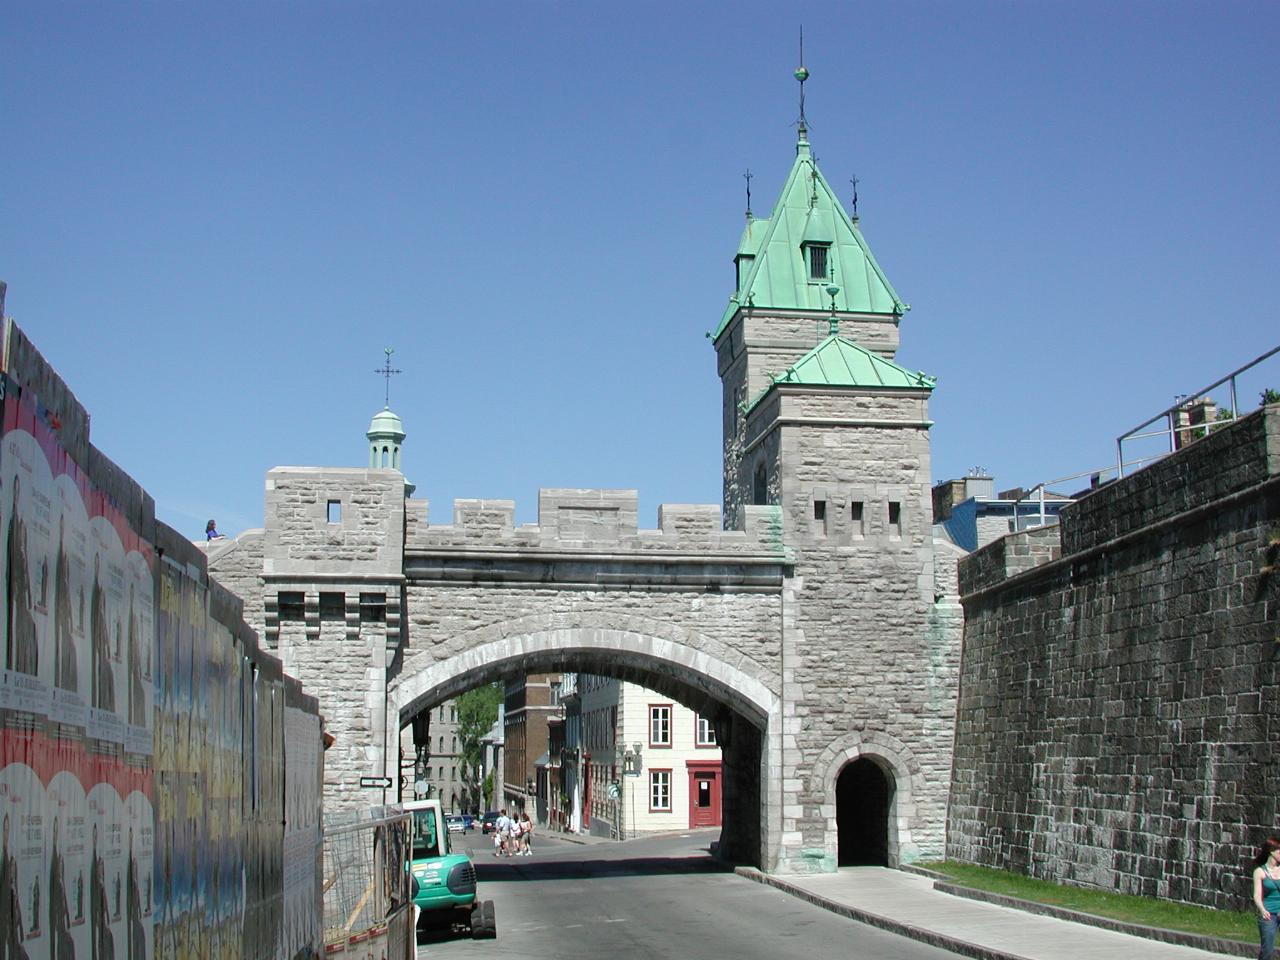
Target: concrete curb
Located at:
point(1237, 948)
point(955, 945)
point(965, 948)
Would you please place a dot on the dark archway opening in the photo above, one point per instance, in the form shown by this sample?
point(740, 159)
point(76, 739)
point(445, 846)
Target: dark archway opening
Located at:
point(863, 792)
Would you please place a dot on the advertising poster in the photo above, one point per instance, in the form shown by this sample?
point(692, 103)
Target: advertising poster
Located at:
point(77, 637)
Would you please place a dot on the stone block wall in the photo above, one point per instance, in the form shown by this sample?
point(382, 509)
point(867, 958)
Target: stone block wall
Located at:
point(1115, 724)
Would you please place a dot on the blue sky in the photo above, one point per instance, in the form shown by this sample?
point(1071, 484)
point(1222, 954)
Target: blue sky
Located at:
point(214, 217)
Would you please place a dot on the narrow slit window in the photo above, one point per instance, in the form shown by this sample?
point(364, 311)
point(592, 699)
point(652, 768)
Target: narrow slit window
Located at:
point(373, 608)
point(334, 511)
point(895, 518)
point(820, 516)
point(855, 518)
point(760, 486)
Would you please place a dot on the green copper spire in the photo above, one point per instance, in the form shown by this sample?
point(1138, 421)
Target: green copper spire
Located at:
point(786, 261)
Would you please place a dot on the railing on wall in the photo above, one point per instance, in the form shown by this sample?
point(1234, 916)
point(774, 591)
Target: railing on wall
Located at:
point(1177, 431)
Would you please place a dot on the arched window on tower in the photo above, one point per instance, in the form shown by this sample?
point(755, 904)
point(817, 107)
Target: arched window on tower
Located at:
point(395, 457)
point(386, 457)
point(760, 486)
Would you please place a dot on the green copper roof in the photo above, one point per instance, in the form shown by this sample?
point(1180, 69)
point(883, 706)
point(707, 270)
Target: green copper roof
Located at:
point(385, 422)
point(838, 362)
point(808, 212)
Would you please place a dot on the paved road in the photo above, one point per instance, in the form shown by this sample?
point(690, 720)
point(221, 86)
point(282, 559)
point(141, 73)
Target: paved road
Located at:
point(650, 900)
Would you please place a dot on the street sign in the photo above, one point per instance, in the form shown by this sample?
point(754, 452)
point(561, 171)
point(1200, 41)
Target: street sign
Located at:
point(420, 787)
point(376, 783)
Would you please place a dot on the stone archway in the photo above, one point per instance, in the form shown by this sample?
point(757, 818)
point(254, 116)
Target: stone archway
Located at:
point(750, 744)
point(902, 776)
point(864, 795)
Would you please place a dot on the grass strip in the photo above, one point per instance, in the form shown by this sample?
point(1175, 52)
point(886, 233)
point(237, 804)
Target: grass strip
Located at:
point(1165, 914)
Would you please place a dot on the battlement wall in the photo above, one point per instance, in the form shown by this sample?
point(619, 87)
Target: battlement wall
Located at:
point(593, 520)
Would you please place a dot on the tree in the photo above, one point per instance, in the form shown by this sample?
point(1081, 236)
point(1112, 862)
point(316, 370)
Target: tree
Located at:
point(477, 712)
point(1270, 395)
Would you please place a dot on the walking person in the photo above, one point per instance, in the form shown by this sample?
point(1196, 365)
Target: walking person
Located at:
point(1266, 894)
point(502, 836)
point(526, 833)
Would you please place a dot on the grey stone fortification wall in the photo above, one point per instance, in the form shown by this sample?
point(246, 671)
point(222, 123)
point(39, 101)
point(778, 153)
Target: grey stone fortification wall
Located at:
point(1116, 725)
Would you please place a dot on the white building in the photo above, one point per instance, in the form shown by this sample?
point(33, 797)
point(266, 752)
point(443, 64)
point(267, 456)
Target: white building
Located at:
point(649, 764)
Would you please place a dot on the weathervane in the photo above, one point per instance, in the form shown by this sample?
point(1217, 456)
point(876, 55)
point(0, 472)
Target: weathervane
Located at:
point(747, 176)
point(854, 181)
point(387, 372)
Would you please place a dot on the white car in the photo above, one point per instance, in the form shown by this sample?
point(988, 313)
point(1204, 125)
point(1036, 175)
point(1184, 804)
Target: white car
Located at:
point(455, 823)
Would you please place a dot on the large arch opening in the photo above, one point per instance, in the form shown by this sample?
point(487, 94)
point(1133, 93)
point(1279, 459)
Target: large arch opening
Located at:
point(737, 710)
point(864, 794)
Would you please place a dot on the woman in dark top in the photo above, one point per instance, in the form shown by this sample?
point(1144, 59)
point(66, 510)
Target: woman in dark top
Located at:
point(1266, 894)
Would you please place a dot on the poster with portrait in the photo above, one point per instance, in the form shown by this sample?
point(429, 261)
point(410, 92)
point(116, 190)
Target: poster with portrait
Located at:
point(67, 849)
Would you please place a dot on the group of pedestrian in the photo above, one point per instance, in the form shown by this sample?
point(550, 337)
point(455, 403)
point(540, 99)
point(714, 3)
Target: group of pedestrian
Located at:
point(513, 836)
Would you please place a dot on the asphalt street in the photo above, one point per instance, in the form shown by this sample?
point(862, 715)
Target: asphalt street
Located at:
point(650, 900)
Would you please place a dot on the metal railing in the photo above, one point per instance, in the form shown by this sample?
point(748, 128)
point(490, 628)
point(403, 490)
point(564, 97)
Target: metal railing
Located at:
point(1170, 416)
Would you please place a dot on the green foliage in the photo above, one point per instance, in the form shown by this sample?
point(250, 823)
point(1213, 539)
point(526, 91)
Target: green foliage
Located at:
point(1147, 911)
point(477, 711)
point(1270, 395)
point(1226, 413)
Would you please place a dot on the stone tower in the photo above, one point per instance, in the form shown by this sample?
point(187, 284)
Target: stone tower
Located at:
point(820, 421)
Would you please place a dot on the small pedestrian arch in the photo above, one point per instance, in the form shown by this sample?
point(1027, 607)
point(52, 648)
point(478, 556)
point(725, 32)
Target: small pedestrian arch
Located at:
point(870, 782)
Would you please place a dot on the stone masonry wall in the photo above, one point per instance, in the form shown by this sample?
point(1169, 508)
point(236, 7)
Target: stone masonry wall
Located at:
point(874, 650)
point(1116, 725)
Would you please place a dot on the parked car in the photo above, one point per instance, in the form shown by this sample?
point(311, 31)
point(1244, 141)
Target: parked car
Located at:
point(489, 823)
point(455, 823)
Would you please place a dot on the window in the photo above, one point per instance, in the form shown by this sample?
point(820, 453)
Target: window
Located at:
point(373, 608)
point(817, 261)
point(333, 606)
point(455, 744)
point(659, 790)
point(760, 486)
point(291, 605)
point(704, 734)
point(855, 516)
point(820, 517)
point(660, 725)
point(334, 511)
point(428, 776)
point(895, 518)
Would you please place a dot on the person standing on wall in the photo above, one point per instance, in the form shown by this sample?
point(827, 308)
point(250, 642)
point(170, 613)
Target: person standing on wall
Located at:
point(1266, 894)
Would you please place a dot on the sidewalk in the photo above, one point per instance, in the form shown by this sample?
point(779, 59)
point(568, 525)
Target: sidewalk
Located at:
point(908, 905)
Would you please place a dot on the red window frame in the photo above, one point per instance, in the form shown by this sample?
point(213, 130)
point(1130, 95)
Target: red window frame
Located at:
point(698, 742)
point(670, 728)
point(670, 790)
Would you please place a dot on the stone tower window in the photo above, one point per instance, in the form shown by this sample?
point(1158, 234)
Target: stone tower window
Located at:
point(895, 519)
point(820, 517)
point(855, 519)
point(334, 511)
point(760, 486)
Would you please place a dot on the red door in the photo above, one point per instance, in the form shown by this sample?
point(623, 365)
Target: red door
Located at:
point(704, 795)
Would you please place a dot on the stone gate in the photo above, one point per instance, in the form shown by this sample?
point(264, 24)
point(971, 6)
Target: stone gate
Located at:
point(817, 621)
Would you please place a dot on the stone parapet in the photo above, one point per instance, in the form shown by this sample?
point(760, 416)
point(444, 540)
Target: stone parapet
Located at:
point(1011, 555)
point(1229, 459)
point(598, 522)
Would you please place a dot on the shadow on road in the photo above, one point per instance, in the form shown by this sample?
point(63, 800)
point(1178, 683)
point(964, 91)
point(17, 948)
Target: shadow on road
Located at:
point(507, 871)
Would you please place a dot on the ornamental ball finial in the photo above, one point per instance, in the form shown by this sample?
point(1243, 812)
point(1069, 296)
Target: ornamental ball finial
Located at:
point(802, 73)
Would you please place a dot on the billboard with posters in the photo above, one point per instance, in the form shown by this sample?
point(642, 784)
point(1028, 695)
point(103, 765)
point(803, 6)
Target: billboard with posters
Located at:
point(76, 717)
point(142, 755)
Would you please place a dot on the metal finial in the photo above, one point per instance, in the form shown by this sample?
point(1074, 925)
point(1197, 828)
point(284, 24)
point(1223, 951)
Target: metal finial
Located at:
point(833, 324)
point(747, 176)
point(802, 74)
point(387, 372)
point(854, 180)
